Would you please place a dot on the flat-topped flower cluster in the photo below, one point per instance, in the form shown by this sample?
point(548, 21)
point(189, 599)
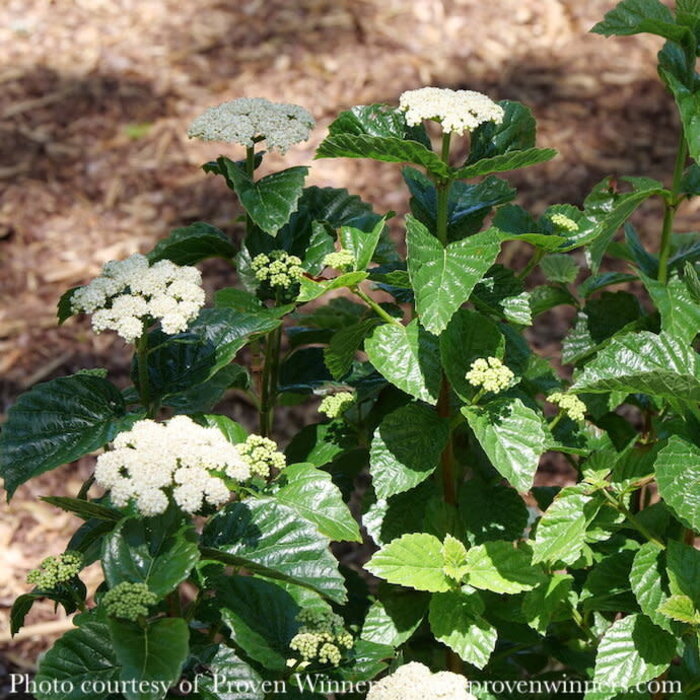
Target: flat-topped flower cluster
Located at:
point(153, 459)
point(129, 294)
point(414, 681)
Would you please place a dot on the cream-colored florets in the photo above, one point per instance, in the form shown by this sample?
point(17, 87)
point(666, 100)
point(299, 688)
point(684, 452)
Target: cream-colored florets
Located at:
point(490, 373)
point(321, 638)
point(456, 110)
point(414, 681)
point(336, 404)
point(130, 294)
point(153, 459)
point(563, 222)
point(248, 120)
point(261, 455)
point(341, 260)
point(129, 601)
point(56, 570)
point(278, 270)
point(570, 404)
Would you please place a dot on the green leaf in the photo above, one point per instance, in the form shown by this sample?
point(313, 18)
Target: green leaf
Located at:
point(688, 102)
point(641, 16)
point(310, 289)
point(312, 494)
point(516, 132)
point(681, 609)
point(177, 363)
point(491, 511)
point(649, 582)
point(547, 601)
point(559, 267)
point(84, 509)
point(64, 309)
point(192, 244)
point(468, 336)
point(159, 552)
point(261, 617)
point(683, 567)
point(406, 448)
point(361, 244)
point(57, 422)
point(341, 351)
point(231, 678)
point(443, 277)
point(82, 655)
point(680, 313)
point(233, 432)
point(678, 477)
point(633, 650)
point(408, 357)
point(377, 120)
point(595, 283)
point(273, 536)
point(502, 294)
point(151, 656)
point(643, 363)
point(204, 397)
point(561, 532)
point(500, 567)
point(456, 621)
point(512, 436)
point(413, 560)
point(271, 200)
point(394, 618)
point(512, 160)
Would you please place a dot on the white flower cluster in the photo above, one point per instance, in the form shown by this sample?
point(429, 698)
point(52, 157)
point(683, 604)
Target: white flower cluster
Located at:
point(152, 459)
point(336, 404)
point(130, 292)
point(343, 259)
point(321, 638)
point(414, 681)
point(261, 455)
point(563, 222)
point(247, 120)
point(490, 373)
point(570, 404)
point(457, 110)
point(279, 270)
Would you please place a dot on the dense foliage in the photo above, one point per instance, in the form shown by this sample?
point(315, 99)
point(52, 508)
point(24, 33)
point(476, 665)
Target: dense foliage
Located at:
point(436, 414)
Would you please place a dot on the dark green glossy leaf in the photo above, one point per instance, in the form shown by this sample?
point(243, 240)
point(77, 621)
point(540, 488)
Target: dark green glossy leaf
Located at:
point(641, 16)
point(512, 160)
point(192, 244)
point(84, 509)
point(231, 678)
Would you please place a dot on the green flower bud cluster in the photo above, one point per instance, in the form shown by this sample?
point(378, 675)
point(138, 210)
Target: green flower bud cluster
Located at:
point(570, 404)
point(490, 373)
point(321, 638)
point(342, 260)
point(129, 601)
point(278, 270)
point(336, 404)
point(55, 570)
point(261, 455)
point(564, 223)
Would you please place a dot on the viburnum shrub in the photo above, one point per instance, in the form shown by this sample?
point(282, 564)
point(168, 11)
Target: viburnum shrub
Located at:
point(435, 414)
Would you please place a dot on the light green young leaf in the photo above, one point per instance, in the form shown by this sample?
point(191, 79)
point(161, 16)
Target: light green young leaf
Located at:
point(513, 437)
point(456, 620)
point(57, 422)
point(681, 609)
point(271, 200)
point(559, 267)
point(561, 531)
point(406, 448)
point(454, 554)
point(361, 244)
point(310, 289)
point(443, 277)
point(680, 313)
point(312, 493)
point(500, 567)
point(408, 357)
point(678, 476)
point(643, 363)
point(151, 657)
point(413, 560)
point(633, 650)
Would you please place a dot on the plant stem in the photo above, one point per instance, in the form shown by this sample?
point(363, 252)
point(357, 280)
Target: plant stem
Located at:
point(268, 396)
point(671, 207)
point(374, 306)
point(443, 194)
point(622, 508)
point(581, 624)
point(555, 421)
point(144, 384)
point(447, 458)
point(534, 260)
